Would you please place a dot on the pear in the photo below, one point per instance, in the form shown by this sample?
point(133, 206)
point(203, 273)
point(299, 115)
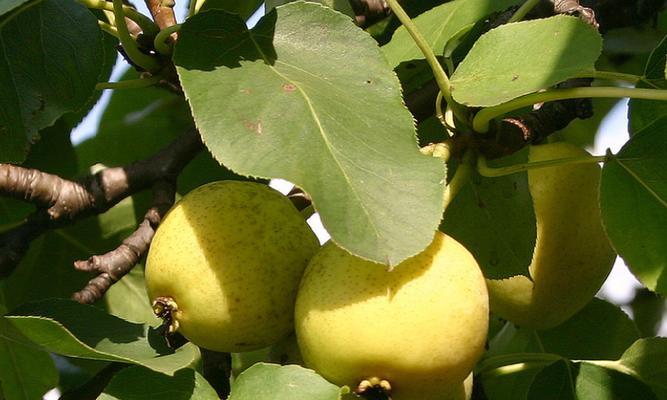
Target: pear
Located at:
point(572, 255)
point(415, 331)
point(225, 264)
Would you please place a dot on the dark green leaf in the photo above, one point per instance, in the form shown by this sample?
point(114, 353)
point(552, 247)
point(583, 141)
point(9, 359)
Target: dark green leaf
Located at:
point(244, 8)
point(25, 373)
point(438, 25)
point(594, 382)
point(643, 113)
point(127, 299)
point(599, 331)
point(48, 67)
point(555, 382)
point(521, 58)
point(324, 114)
point(140, 383)
point(275, 382)
point(495, 220)
point(76, 330)
point(633, 199)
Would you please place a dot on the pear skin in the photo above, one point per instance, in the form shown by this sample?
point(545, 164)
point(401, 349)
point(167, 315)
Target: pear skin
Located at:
point(420, 327)
point(572, 255)
point(230, 256)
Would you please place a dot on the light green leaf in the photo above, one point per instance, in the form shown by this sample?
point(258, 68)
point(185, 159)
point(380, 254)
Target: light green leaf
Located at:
point(521, 58)
point(326, 115)
point(494, 219)
point(289, 382)
point(342, 6)
point(633, 200)
point(140, 383)
point(127, 299)
point(48, 67)
point(594, 382)
point(9, 5)
point(25, 373)
point(644, 360)
point(438, 25)
point(76, 330)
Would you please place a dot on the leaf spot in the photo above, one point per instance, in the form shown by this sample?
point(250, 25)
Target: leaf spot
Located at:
point(256, 127)
point(289, 87)
point(245, 91)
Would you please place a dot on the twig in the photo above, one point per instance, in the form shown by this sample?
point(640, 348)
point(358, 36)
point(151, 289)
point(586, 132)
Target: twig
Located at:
point(163, 13)
point(573, 7)
point(112, 266)
point(60, 201)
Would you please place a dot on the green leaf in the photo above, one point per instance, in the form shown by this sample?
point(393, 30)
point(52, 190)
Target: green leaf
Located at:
point(290, 382)
point(521, 58)
point(48, 67)
point(25, 373)
point(594, 382)
point(326, 115)
point(645, 360)
point(494, 219)
point(342, 6)
point(127, 299)
point(633, 200)
point(438, 25)
point(600, 330)
point(244, 8)
point(149, 118)
point(554, 382)
point(643, 113)
point(76, 330)
point(140, 383)
point(9, 5)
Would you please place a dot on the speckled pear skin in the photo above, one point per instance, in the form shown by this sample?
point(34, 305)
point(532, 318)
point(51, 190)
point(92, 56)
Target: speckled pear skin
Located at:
point(422, 326)
point(572, 255)
point(231, 254)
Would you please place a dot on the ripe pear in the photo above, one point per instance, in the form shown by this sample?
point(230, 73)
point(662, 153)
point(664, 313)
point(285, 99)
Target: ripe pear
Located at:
point(419, 329)
point(225, 265)
point(572, 255)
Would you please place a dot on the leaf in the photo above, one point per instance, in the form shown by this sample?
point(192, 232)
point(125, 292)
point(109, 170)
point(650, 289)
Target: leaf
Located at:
point(140, 383)
point(326, 115)
point(594, 382)
point(244, 8)
point(645, 360)
point(75, 330)
point(290, 382)
point(600, 330)
point(8, 5)
point(25, 373)
point(48, 67)
point(438, 25)
point(342, 6)
point(149, 118)
point(633, 200)
point(127, 299)
point(494, 219)
point(554, 382)
point(521, 58)
point(643, 113)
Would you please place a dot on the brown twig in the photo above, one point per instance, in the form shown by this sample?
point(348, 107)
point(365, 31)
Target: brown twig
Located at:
point(163, 13)
point(573, 7)
point(60, 201)
point(112, 266)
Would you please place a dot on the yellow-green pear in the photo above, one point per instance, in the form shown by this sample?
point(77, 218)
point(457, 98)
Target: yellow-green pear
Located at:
point(225, 265)
point(572, 255)
point(417, 330)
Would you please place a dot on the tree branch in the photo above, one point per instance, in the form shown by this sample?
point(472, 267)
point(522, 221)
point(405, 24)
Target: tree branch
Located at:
point(60, 201)
point(163, 13)
point(112, 266)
